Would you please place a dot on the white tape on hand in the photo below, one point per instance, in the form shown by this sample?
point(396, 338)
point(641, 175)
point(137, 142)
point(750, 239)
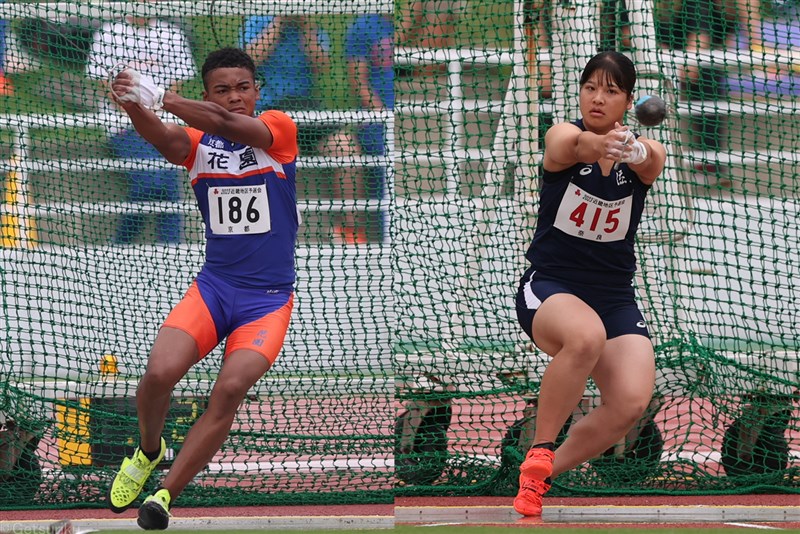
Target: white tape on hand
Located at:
point(635, 153)
point(144, 91)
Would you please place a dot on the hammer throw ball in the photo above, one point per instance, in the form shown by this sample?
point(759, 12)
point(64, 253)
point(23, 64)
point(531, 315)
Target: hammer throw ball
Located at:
point(650, 110)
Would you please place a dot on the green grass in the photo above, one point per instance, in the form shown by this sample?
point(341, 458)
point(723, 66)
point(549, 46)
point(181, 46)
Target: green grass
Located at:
point(403, 529)
point(539, 530)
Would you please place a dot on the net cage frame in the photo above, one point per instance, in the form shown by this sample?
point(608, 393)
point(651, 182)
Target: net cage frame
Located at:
point(517, 118)
point(454, 369)
point(67, 387)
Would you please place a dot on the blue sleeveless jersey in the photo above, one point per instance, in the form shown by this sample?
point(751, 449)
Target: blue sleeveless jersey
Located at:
point(248, 200)
point(587, 223)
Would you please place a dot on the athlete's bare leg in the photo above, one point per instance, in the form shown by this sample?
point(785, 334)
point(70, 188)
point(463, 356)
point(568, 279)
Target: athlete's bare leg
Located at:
point(568, 329)
point(240, 371)
point(625, 376)
point(173, 354)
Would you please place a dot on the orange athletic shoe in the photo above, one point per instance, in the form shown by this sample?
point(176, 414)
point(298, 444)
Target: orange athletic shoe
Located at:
point(528, 501)
point(538, 463)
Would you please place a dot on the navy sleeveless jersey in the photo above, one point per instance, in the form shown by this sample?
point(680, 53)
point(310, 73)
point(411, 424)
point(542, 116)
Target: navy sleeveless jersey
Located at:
point(587, 223)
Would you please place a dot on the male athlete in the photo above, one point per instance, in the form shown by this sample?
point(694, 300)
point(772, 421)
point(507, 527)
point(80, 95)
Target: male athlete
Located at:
point(242, 170)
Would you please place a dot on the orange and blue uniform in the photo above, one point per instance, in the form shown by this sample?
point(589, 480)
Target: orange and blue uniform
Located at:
point(248, 200)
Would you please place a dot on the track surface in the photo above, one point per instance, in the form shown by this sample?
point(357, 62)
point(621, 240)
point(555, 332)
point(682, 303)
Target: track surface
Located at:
point(718, 511)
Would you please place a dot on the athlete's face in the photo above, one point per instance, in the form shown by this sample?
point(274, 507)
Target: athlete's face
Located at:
point(232, 88)
point(603, 103)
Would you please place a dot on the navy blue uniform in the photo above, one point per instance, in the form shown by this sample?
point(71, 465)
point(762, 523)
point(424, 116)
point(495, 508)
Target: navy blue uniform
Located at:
point(584, 244)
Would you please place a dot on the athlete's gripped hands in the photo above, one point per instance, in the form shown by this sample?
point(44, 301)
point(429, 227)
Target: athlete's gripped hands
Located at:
point(616, 144)
point(138, 96)
point(645, 157)
point(129, 86)
point(121, 85)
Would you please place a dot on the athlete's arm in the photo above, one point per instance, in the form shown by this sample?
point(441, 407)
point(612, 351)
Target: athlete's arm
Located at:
point(566, 144)
point(168, 138)
point(216, 120)
point(560, 142)
point(653, 165)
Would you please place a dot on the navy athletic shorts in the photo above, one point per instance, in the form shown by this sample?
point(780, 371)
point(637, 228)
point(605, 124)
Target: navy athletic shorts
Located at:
point(616, 305)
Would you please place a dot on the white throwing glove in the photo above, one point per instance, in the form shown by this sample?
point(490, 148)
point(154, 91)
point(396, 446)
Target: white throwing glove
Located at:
point(144, 91)
point(634, 152)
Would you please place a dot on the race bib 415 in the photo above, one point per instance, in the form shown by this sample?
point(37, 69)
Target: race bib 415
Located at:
point(584, 215)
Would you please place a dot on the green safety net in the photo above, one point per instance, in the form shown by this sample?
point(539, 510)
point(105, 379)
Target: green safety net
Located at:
point(101, 237)
point(404, 371)
point(478, 83)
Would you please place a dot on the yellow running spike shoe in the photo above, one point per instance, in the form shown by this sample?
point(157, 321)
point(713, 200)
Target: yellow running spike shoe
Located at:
point(154, 512)
point(131, 478)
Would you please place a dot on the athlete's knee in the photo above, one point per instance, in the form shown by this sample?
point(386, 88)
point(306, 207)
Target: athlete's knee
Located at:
point(154, 384)
point(586, 345)
point(628, 413)
point(161, 375)
point(157, 380)
point(229, 392)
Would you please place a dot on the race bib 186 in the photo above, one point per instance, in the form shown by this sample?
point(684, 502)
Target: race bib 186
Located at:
point(238, 210)
point(589, 217)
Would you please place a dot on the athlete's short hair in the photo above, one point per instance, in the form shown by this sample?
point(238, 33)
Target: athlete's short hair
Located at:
point(227, 58)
